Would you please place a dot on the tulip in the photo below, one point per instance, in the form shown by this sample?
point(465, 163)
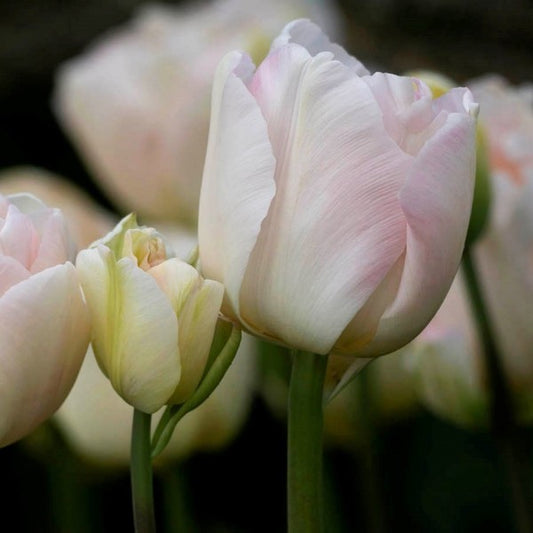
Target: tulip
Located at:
point(153, 316)
point(45, 324)
point(449, 363)
point(136, 104)
point(334, 203)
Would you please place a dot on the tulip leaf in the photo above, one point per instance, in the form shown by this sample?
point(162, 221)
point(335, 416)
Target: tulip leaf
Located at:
point(212, 377)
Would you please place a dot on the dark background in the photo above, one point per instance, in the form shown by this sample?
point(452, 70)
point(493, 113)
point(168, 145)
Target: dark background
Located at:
point(434, 478)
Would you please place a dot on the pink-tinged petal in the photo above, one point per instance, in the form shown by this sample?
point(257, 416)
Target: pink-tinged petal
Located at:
point(363, 326)
point(135, 331)
point(238, 180)
point(314, 40)
point(457, 100)
point(436, 200)
point(335, 227)
point(11, 273)
point(44, 334)
point(27, 203)
point(55, 246)
point(408, 109)
point(19, 238)
point(4, 206)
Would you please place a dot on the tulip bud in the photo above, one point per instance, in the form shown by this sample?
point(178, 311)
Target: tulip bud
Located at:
point(44, 326)
point(154, 316)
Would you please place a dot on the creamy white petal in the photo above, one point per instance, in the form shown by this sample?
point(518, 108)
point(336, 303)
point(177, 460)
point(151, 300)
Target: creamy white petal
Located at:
point(238, 181)
point(135, 330)
point(197, 304)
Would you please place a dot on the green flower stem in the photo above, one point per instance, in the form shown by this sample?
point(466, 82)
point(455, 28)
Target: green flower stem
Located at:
point(369, 455)
point(304, 450)
point(504, 427)
point(141, 474)
point(176, 505)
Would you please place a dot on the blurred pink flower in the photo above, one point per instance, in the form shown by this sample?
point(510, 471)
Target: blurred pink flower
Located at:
point(136, 104)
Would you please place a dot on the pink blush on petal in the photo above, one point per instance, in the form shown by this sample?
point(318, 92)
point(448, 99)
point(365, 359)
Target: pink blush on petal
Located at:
point(11, 273)
point(18, 237)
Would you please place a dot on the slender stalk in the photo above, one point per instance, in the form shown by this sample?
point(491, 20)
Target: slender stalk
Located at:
point(141, 474)
point(504, 427)
point(370, 468)
point(177, 509)
point(304, 447)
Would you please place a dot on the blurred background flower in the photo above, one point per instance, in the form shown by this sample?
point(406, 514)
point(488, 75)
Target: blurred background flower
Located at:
point(136, 104)
point(449, 365)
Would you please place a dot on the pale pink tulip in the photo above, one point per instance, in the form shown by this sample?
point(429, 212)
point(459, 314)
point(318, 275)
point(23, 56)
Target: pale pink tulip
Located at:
point(450, 364)
point(136, 104)
point(44, 325)
point(334, 203)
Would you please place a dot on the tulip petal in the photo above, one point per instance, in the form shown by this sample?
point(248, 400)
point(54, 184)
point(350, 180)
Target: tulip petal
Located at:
point(197, 304)
point(19, 238)
point(335, 227)
point(197, 327)
point(27, 203)
point(44, 334)
point(135, 331)
point(314, 40)
point(238, 183)
point(363, 326)
point(436, 199)
point(55, 246)
point(409, 112)
point(11, 273)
